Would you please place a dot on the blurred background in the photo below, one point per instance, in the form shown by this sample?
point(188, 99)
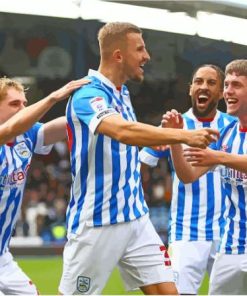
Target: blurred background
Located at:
point(44, 44)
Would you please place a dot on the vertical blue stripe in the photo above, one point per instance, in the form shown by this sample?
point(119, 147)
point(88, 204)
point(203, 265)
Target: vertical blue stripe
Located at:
point(127, 191)
point(222, 220)
point(3, 215)
point(210, 205)
point(116, 169)
point(99, 181)
point(8, 231)
point(242, 222)
point(83, 177)
point(220, 122)
point(180, 211)
point(230, 217)
point(195, 211)
point(137, 179)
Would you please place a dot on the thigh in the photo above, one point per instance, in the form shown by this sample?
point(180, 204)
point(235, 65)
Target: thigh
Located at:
point(90, 257)
point(15, 282)
point(145, 261)
point(229, 275)
point(189, 262)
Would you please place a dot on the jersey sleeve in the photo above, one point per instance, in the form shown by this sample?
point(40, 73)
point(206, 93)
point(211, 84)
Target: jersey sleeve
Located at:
point(92, 106)
point(36, 134)
point(151, 157)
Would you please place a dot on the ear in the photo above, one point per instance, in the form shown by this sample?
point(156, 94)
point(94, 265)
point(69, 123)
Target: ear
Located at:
point(117, 55)
point(190, 90)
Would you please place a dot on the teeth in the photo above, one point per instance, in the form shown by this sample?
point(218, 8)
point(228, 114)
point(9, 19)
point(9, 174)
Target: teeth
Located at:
point(203, 97)
point(232, 101)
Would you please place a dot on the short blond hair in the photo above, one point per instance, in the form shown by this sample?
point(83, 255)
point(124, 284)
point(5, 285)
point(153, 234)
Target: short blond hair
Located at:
point(114, 33)
point(6, 84)
point(237, 66)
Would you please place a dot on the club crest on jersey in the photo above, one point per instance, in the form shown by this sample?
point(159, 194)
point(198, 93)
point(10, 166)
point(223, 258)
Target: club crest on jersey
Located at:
point(98, 104)
point(22, 150)
point(224, 148)
point(83, 284)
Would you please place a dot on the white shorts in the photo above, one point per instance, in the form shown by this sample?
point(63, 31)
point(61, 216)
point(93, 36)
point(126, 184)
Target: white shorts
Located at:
point(90, 257)
point(13, 281)
point(190, 260)
point(229, 275)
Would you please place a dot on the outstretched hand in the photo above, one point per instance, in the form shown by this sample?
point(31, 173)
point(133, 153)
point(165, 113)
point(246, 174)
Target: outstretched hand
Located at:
point(65, 91)
point(202, 138)
point(172, 119)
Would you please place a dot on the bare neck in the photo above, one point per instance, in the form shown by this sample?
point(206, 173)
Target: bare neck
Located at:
point(114, 74)
point(243, 121)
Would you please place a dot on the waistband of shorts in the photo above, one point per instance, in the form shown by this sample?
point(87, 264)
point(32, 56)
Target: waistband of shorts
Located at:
point(5, 258)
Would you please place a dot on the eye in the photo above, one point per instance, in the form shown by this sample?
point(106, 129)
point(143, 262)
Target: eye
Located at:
point(14, 104)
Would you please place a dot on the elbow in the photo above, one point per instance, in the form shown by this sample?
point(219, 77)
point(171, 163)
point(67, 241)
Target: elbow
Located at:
point(123, 137)
point(186, 179)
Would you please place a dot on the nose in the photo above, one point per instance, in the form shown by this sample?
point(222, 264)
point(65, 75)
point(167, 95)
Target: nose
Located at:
point(22, 106)
point(204, 84)
point(228, 89)
point(147, 56)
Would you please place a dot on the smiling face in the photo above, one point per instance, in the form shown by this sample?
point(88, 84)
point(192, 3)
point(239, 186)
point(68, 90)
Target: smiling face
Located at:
point(134, 57)
point(11, 103)
point(235, 95)
point(205, 92)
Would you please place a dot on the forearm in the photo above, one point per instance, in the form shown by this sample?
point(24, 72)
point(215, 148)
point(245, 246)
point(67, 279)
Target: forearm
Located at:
point(24, 119)
point(184, 170)
point(234, 161)
point(140, 134)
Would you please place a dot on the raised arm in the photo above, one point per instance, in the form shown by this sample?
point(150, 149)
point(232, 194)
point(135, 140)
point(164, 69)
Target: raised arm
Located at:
point(26, 117)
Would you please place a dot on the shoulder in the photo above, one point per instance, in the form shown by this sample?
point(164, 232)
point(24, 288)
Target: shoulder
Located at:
point(90, 89)
point(229, 117)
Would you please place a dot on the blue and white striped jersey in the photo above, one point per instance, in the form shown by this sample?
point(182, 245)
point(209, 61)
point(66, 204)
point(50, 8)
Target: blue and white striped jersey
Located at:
point(234, 240)
point(196, 211)
point(15, 160)
point(106, 184)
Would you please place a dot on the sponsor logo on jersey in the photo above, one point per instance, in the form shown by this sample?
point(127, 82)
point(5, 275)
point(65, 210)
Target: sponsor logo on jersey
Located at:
point(22, 150)
point(233, 177)
point(98, 104)
point(224, 148)
point(17, 177)
point(83, 284)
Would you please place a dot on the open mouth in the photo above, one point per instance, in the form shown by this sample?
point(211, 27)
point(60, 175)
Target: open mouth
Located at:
point(232, 101)
point(202, 99)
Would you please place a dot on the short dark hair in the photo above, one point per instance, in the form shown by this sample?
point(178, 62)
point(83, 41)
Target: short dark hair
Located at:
point(218, 70)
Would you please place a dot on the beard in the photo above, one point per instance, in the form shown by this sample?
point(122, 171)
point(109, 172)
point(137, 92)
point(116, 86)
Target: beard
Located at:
point(205, 112)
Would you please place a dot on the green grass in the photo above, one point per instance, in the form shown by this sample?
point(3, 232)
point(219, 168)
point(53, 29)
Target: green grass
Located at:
point(46, 273)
